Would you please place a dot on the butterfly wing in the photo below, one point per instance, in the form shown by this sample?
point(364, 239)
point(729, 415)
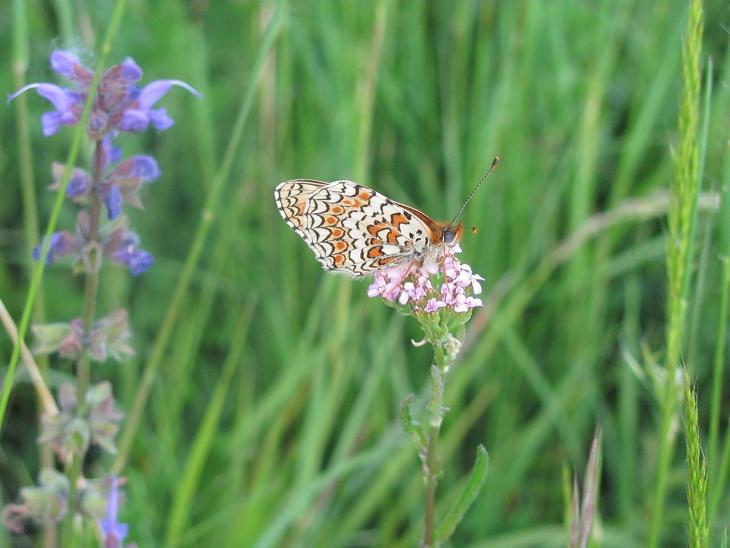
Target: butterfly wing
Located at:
point(292, 198)
point(354, 229)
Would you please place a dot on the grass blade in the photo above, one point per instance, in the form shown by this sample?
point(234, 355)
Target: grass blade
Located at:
point(466, 498)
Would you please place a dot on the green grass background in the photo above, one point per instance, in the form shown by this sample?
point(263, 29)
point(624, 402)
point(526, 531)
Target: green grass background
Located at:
point(273, 415)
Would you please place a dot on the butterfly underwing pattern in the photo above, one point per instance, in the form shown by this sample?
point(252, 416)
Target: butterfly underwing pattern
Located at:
point(354, 229)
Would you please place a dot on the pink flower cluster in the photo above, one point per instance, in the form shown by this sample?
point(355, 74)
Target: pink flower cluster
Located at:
point(415, 286)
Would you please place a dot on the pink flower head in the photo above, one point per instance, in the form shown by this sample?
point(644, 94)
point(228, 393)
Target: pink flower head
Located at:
point(387, 284)
point(429, 289)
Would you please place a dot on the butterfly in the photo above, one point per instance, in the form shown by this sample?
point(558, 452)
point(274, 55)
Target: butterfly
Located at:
point(356, 230)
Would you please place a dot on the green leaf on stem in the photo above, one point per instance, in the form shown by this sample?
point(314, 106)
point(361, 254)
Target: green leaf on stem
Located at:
point(410, 425)
point(466, 498)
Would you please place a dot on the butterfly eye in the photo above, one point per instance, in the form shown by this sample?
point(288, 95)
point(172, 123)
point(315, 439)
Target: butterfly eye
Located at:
point(448, 236)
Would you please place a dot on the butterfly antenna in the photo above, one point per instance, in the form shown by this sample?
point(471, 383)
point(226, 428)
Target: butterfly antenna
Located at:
point(487, 174)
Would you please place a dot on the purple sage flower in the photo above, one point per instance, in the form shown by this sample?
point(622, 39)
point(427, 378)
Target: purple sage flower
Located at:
point(113, 532)
point(69, 103)
point(126, 251)
point(79, 185)
point(120, 104)
point(62, 244)
point(124, 181)
point(113, 202)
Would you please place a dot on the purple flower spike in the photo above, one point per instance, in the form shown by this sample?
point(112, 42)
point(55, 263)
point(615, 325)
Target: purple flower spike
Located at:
point(114, 532)
point(113, 202)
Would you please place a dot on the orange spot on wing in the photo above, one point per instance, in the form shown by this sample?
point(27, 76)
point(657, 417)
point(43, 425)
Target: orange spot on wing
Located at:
point(337, 209)
point(340, 246)
point(398, 219)
point(330, 220)
point(375, 252)
point(393, 237)
point(337, 232)
point(375, 228)
point(339, 260)
point(348, 201)
point(365, 195)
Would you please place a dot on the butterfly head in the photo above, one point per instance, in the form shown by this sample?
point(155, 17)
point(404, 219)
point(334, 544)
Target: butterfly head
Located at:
point(451, 235)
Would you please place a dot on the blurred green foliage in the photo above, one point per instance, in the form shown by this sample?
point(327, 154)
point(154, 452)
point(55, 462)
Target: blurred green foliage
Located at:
point(273, 417)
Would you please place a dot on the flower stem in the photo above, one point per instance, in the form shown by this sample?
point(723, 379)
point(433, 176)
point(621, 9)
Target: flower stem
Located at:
point(83, 373)
point(431, 464)
point(83, 365)
point(430, 475)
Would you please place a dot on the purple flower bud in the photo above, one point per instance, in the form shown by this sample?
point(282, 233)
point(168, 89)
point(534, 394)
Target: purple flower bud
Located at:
point(112, 154)
point(63, 63)
point(56, 248)
point(98, 123)
point(139, 261)
point(131, 72)
point(140, 166)
point(128, 253)
point(114, 532)
point(79, 184)
point(134, 121)
point(113, 202)
point(69, 66)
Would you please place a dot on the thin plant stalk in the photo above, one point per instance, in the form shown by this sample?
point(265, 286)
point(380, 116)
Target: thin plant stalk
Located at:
point(83, 364)
point(718, 363)
point(191, 262)
point(30, 223)
point(713, 457)
point(679, 249)
point(431, 466)
point(444, 356)
point(48, 403)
